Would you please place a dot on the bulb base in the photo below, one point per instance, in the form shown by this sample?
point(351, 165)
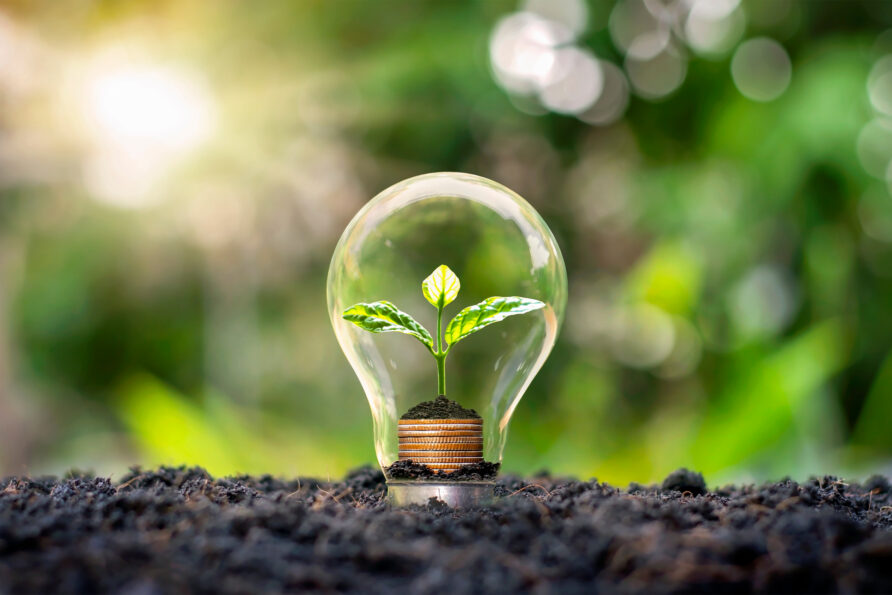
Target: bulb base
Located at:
point(456, 494)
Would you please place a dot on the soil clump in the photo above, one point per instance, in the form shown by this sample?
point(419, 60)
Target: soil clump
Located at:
point(440, 408)
point(179, 530)
point(684, 480)
point(409, 469)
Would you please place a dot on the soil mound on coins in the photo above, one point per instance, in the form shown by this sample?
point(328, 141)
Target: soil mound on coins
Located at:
point(440, 408)
point(409, 469)
point(182, 531)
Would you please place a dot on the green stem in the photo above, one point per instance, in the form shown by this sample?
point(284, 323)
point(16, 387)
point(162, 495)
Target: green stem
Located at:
point(441, 374)
point(439, 330)
point(440, 355)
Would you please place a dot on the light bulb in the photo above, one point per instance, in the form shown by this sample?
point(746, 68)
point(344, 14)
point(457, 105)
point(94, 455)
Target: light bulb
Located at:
point(445, 284)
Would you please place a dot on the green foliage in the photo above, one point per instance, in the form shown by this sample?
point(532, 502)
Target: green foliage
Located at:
point(440, 288)
point(225, 437)
point(489, 311)
point(873, 428)
point(384, 317)
point(765, 404)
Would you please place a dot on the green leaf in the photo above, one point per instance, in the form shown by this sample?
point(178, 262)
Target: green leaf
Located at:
point(384, 317)
point(441, 286)
point(493, 309)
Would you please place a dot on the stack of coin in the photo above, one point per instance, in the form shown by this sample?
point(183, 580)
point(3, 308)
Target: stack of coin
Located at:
point(442, 444)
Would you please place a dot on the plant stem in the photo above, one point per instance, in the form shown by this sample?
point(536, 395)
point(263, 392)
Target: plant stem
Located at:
point(440, 355)
point(441, 374)
point(439, 329)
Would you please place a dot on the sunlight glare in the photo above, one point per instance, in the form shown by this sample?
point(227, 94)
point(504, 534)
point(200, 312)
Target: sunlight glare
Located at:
point(143, 119)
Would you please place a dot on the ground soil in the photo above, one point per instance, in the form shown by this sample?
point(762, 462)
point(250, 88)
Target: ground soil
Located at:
point(180, 530)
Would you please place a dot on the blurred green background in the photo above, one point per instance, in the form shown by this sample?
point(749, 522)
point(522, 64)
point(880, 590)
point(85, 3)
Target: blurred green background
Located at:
point(174, 177)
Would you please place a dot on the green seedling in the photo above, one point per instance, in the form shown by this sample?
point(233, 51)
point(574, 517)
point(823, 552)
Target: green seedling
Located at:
point(440, 289)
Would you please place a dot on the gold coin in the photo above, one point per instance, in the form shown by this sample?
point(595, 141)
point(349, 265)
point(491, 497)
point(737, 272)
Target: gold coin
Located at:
point(447, 446)
point(440, 434)
point(439, 457)
point(441, 447)
point(440, 453)
point(444, 460)
point(444, 466)
point(441, 440)
point(442, 428)
point(422, 422)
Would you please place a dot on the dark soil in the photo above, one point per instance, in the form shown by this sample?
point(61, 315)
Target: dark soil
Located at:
point(181, 531)
point(409, 469)
point(685, 481)
point(440, 408)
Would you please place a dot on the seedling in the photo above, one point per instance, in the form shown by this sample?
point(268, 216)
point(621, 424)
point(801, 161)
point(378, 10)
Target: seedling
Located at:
point(440, 289)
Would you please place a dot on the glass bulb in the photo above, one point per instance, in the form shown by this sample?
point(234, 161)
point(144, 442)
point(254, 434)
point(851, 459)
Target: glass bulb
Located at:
point(497, 245)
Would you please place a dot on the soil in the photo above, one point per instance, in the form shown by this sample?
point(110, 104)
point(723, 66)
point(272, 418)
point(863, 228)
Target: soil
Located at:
point(440, 408)
point(409, 469)
point(685, 481)
point(182, 531)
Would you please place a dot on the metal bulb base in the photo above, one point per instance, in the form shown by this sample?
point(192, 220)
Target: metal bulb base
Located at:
point(456, 494)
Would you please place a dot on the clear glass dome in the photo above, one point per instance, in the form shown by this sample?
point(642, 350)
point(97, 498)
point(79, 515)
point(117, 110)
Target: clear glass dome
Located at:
point(497, 245)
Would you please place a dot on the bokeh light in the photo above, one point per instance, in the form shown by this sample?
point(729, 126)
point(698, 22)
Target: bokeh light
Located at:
point(630, 20)
point(658, 75)
point(533, 56)
point(761, 69)
point(523, 50)
point(687, 350)
point(764, 301)
point(614, 97)
point(713, 27)
point(875, 214)
point(572, 14)
point(879, 85)
point(579, 86)
point(875, 147)
point(643, 336)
